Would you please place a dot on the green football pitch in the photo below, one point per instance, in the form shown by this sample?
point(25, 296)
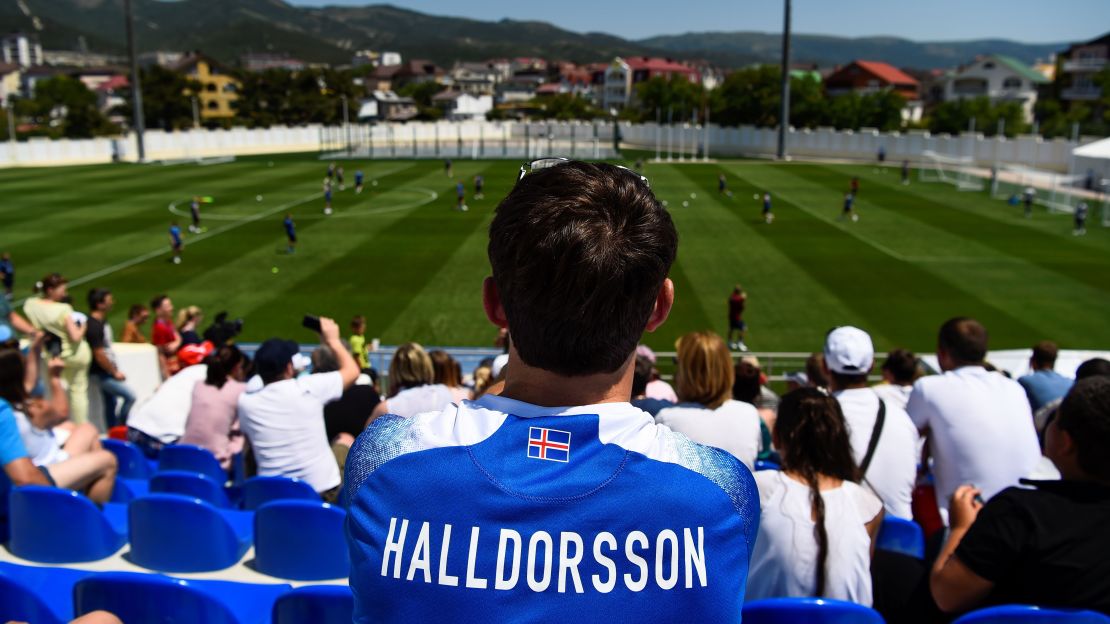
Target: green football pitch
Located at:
point(403, 257)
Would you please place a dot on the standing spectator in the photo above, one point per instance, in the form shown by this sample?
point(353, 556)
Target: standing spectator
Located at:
point(47, 312)
point(213, 420)
point(1044, 385)
point(103, 366)
point(358, 341)
point(736, 303)
point(707, 413)
point(164, 335)
point(7, 274)
point(1046, 545)
point(132, 328)
point(817, 526)
point(883, 438)
point(284, 420)
point(349, 415)
point(900, 370)
point(188, 322)
point(977, 423)
point(412, 387)
point(449, 373)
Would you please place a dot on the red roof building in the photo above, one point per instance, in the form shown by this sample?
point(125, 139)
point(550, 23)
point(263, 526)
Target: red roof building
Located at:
point(645, 68)
point(870, 77)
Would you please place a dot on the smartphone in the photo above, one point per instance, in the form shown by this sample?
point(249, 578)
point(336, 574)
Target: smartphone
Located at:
point(311, 322)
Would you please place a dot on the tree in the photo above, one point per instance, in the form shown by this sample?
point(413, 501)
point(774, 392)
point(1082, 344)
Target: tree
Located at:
point(66, 106)
point(567, 106)
point(166, 99)
point(280, 96)
point(422, 93)
point(676, 93)
point(749, 96)
point(955, 117)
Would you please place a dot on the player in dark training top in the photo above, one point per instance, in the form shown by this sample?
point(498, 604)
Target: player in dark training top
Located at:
point(176, 244)
point(290, 233)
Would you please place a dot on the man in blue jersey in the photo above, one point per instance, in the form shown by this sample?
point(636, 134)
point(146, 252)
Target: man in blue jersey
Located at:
point(460, 195)
point(768, 215)
point(358, 181)
point(176, 245)
point(557, 499)
point(327, 196)
point(290, 233)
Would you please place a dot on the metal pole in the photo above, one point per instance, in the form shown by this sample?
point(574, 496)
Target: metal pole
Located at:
point(136, 87)
point(346, 124)
point(11, 125)
point(658, 131)
point(705, 153)
point(784, 112)
point(1071, 149)
point(196, 113)
point(670, 132)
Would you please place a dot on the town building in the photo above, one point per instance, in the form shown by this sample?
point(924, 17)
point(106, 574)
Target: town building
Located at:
point(623, 74)
point(865, 77)
point(23, 50)
point(459, 106)
point(1077, 67)
point(386, 106)
point(218, 88)
point(998, 78)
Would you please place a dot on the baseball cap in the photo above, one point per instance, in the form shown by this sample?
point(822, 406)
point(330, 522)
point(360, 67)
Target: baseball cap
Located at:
point(848, 351)
point(646, 351)
point(273, 356)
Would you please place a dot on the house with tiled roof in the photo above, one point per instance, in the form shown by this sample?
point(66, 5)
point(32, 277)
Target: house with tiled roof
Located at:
point(997, 77)
point(623, 74)
point(871, 77)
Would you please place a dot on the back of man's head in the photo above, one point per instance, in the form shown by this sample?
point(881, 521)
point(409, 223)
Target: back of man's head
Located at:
point(1085, 415)
point(964, 340)
point(579, 253)
point(1044, 355)
point(1093, 367)
point(902, 366)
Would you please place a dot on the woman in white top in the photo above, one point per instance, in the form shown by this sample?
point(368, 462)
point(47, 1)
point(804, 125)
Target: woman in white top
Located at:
point(412, 389)
point(817, 525)
point(449, 373)
point(707, 414)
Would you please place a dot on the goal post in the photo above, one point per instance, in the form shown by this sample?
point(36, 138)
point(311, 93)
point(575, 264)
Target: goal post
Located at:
point(955, 170)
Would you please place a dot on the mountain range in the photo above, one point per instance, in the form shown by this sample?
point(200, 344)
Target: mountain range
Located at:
point(227, 29)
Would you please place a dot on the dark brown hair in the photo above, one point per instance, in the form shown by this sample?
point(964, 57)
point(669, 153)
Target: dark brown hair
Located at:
point(965, 340)
point(447, 369)
point(1044, 354)
point(1085, 415)
point(11, 374)
point(221, 363)
point(902, 366)
point(814, 371)
point(579, 252)
point(135, 310)
point(50, 282)
point(813, 440)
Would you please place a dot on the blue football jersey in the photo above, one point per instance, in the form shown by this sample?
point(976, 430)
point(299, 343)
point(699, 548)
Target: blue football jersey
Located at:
point(497, 510)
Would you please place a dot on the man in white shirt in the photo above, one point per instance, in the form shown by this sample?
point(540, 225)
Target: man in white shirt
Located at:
point(284, 420)
point(884, 440)
point(977, 423)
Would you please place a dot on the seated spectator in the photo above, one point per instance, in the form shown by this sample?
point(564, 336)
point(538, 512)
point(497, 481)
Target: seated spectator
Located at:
point(1047, 545)
point(103, 367)
point(795, 380)
point(213, 420)
point(815, 371)
point(11, 321)
point(883, 438)
point(350, 414)
point(817, 526)
point(767, 399)
point(656, 388)
point(160, 419)
point(483, 378)
point(1044, 384)
point(1092, 368)
point(449, 373)
point(641, 375)
point(188, 322)
point(284, 419)
point(27, 436)
point(412, 384)
point(132, 328)
point(899, 370)
point(977, 423)
point(707, 413)
point(164, 335)
point(746, 387)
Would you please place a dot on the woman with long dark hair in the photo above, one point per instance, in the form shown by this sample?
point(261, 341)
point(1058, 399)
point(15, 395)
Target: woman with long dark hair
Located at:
point(213, 420)
point(817, 525)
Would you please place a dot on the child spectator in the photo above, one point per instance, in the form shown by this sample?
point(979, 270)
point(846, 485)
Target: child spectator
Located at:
point(358, 341)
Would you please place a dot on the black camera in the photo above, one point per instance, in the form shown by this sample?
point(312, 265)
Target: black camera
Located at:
point(52, 344)
point(222, 331)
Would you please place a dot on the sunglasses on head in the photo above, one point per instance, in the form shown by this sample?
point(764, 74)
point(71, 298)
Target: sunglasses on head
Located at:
point(555, 161)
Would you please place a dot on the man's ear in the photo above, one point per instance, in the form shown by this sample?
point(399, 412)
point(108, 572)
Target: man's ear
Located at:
point(664, 301)
point(491, 303)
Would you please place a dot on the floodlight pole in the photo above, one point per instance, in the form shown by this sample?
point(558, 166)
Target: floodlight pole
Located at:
point(11, 124)
point(346, 124)
point(196, 113)
point(784, 114)
point(137, 122)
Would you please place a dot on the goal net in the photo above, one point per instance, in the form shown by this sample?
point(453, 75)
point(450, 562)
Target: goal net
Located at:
point(955, 170)
point(1058, 192)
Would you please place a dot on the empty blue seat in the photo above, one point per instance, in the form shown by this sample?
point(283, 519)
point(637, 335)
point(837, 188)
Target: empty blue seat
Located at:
point(5, 488)
point(175, 533)
point(194, 484)
point(258, 491)
point(902, 536)
point(808, 611)
point(191, 458)
point(1026, 614)
point(52, 525)
point(127, 490)
point(135, 597)
point(301, 540)
point(319, 604)
point(34, 594)
point(132, 463)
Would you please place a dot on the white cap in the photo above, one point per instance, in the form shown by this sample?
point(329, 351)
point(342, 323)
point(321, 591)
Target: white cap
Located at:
point(499, 363)
point(848, 351)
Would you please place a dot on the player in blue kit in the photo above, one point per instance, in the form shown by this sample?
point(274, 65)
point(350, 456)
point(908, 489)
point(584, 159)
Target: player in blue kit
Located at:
point(358, 181)
point(460, 193)
point(290, 233)
point(556, 500)
point(327, 196)
point(768, 216)
point(848, 212)
point(176, 245)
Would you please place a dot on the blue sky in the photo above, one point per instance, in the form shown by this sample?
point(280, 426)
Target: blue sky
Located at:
point(1029, 21)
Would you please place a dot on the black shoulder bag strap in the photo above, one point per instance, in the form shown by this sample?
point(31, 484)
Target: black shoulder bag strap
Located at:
point(874, 443)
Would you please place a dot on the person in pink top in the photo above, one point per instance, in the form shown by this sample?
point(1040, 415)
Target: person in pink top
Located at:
point(213, 421)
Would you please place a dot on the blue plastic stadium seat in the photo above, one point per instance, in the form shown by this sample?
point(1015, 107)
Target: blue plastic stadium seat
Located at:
point(135, 597)
point(36, 594)
point(1026, 614)
point(132, 463)
point(5, 488)
point(808, 611)
point(301, 540)
point(175, 533)
point(763, 464)
point(52, 525)
point(127, 490)
point(902, 536)
point(258, 491)
point(319, 604)
point(189, 458)
point(193, 484)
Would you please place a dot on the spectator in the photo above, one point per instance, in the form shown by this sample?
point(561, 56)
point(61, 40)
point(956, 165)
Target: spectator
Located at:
point(1046, 545)
point(899, 370)
point(1044, 384)
point(351, 413)
point(7, 274)
point(284, 420)
point(27, 439)
point(164, 335)
point(883, 438)
point(977, 424)
point(815, 371)
point(103, 366)
point(188, 321)
point(213, 420)
point(412, 387)
point(449, 373)
point(483, 378)
point(657, 388)
point(132, 329)
point(11, 321)
point(767, 399)
point(641, 375)
point(1092, 368)
point(817, 526)
point(358, 341)
point(707, 413)
point(160, 418)
point(746, 387)
point(47, 312)
point(580, 254)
